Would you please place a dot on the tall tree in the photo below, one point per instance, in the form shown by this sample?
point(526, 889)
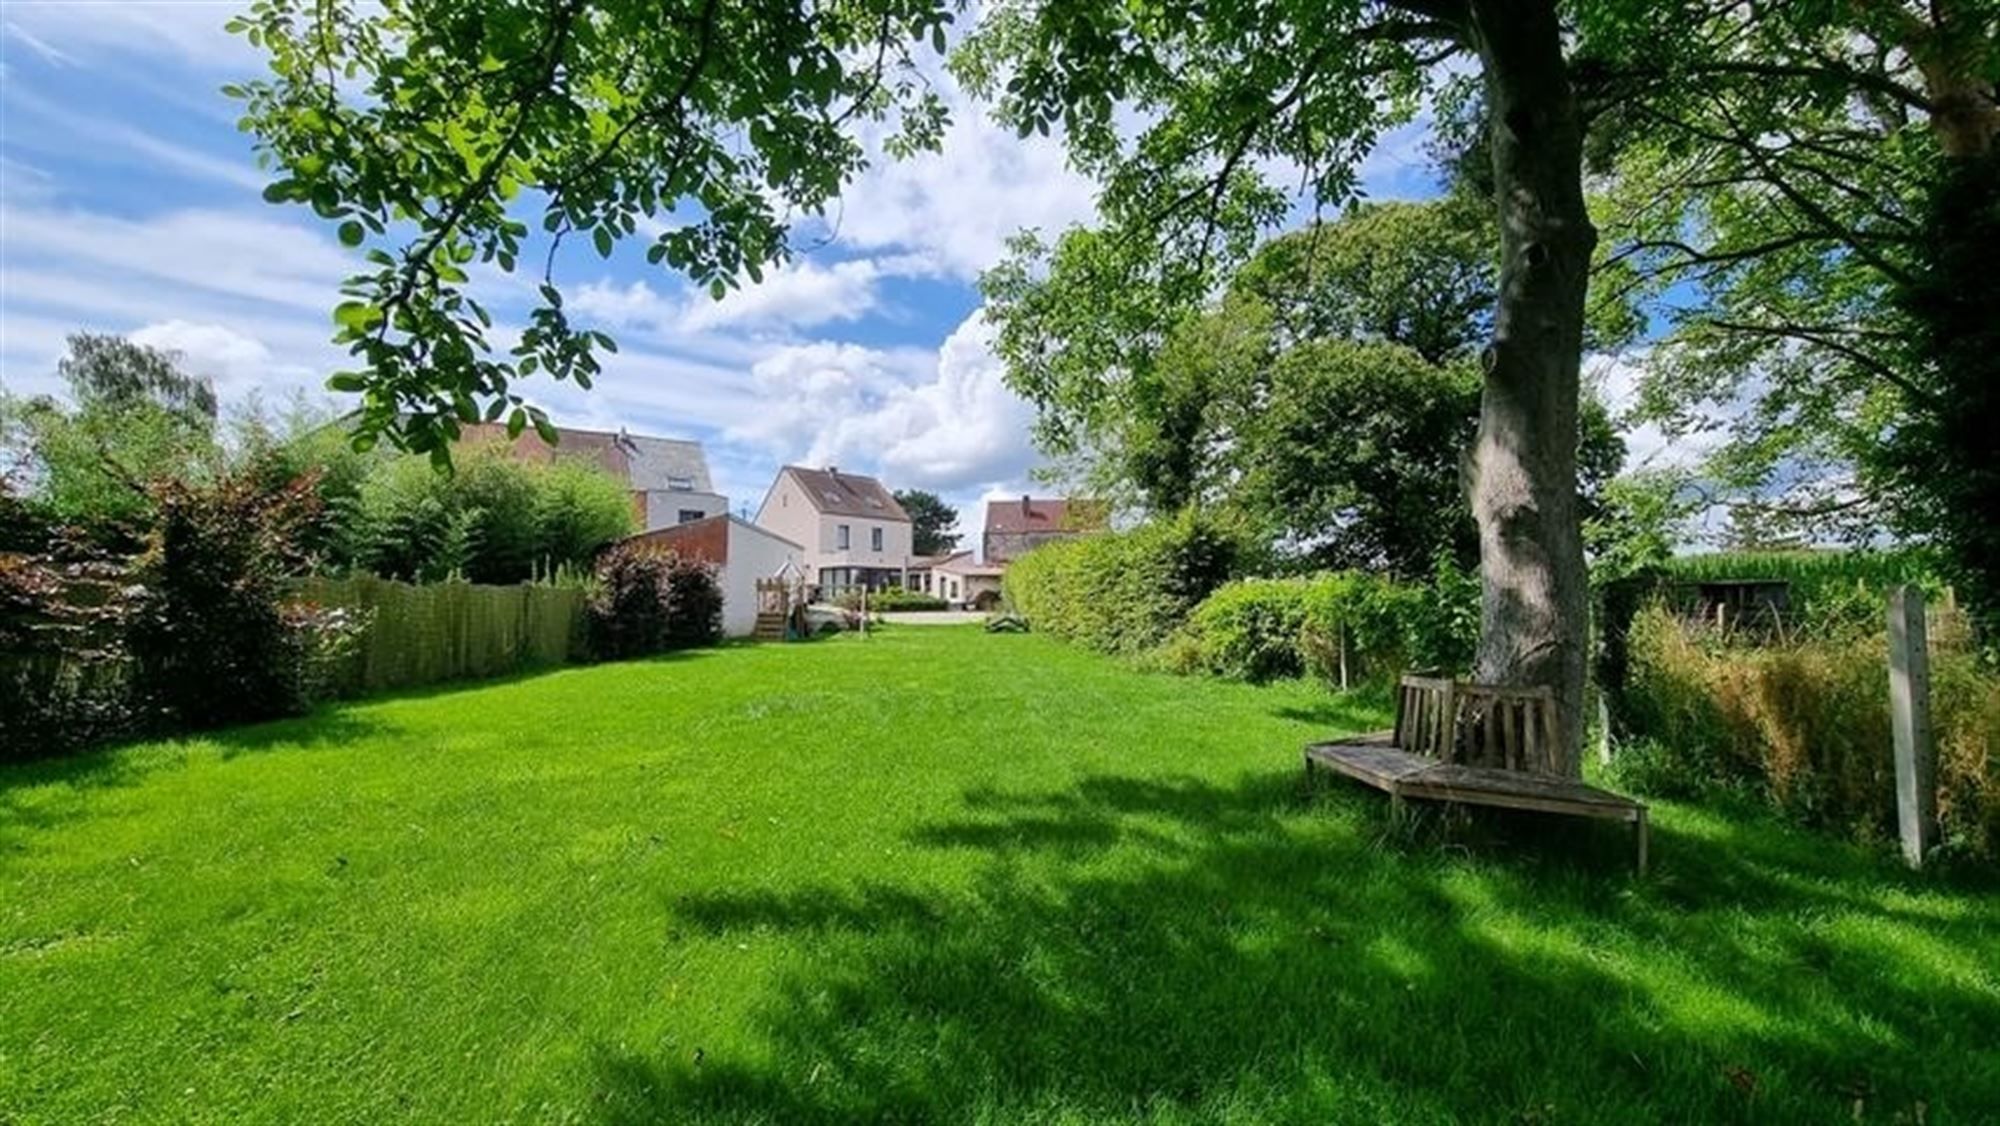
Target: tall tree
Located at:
point(415, 126)
point(133, 418)
point(1815, 188)
point(931, 521)
point(1229, 91)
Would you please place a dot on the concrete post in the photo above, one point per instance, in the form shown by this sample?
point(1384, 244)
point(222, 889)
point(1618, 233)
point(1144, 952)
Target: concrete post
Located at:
point(1910, 724)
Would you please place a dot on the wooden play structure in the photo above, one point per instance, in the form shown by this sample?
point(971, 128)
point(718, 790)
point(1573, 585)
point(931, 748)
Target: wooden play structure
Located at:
point(1475, 744)
point(781, 609)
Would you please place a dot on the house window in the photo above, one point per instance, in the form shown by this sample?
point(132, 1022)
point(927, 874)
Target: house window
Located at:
point(840, 537)
point(690, 515)
point(875, 539)
point(683, 484)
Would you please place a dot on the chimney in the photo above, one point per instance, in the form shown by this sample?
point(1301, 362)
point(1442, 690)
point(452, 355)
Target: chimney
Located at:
point(833, 471)
point(1024, 506)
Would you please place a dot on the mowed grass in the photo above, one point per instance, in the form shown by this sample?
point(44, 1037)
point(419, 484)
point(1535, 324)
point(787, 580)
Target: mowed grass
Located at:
point(930, 876)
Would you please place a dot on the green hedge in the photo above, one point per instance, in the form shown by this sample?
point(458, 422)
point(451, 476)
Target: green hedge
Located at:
point(453, 630)
point(1831, 592)
point(1122, 592)
point(1264, 629)
point(893, 601)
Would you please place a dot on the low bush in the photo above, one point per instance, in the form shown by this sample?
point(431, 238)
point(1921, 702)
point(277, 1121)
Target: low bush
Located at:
point(1345, 627)
point(1249, 629)
point(1123, 592)
point(649, 601)
point(694, 604)
point(1805, 725)
point(65, 674)
point(212, 637)
point(892, 601)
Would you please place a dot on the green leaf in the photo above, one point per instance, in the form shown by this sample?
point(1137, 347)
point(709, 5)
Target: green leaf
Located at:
point(280, 191)
point(517, 421)
point(602, 236)
point(717, 288)
point(356, 315)
point(545, 428)
point(351, 233)
point(351, 381)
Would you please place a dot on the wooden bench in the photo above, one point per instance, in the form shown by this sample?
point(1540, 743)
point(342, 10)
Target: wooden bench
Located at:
point(1475, 744)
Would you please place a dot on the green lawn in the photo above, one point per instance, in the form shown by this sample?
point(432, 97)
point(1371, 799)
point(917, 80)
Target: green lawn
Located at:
point(931, 876)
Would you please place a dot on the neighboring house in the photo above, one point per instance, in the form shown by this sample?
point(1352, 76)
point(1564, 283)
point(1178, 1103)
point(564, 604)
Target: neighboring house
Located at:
point(963, 581)
point(742, 553)
point(1014, 528)
point(855, 534)
point(668, 476)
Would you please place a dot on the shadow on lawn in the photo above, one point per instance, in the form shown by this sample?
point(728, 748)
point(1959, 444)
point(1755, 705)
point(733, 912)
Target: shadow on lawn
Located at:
point(28, 807)
point(1137, 949)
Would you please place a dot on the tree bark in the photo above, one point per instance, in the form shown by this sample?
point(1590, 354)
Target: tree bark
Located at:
point(1533, 610)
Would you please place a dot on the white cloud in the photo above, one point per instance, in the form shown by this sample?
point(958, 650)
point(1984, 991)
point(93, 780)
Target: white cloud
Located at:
point(958, 207)
point(37, 123)
point(945, 422)
point(49, 53)
point(802, 293)
point(1647, 444)
point(189, 31)
point(240, 254)
point(236, 362)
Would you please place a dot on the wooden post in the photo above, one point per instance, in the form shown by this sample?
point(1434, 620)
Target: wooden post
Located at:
point(1910, 723)
point(1340, 631)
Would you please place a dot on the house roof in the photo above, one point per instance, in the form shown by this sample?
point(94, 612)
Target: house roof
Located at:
point(962, 563)
point(645, 463)
point(846, 494)
point(1044, 514)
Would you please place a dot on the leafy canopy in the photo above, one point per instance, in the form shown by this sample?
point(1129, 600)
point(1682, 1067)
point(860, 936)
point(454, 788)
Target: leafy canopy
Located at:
point(480, 137)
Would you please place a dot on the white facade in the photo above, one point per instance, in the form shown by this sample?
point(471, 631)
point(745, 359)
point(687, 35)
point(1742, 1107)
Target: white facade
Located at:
point(754, 553)
point(851, 544)
point(668, 507)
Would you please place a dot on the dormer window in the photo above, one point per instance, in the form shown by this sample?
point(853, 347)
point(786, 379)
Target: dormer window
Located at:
point(681, 484)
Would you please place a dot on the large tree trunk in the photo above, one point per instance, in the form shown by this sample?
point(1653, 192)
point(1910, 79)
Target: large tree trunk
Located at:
point(1534, 615)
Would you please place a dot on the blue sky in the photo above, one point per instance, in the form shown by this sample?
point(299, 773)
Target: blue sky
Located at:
point(129, 203)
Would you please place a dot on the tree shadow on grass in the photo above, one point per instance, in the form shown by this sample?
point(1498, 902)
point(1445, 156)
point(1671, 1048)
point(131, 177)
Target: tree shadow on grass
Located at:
point(28, 807)
point(1177, 950)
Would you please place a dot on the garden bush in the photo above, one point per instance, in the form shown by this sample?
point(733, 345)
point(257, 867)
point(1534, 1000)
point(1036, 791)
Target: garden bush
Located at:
point(1377, 628)
point(211, 635)
point(1804, 724)
point(892, 601)
point(649, 601)
point(65, 674)
point(694, 604)
point(1250, 629)
point(1123, 592)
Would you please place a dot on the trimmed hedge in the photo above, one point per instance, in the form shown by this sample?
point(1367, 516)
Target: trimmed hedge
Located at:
point(1265, 629)
point(1122, 592)
point(893, 602)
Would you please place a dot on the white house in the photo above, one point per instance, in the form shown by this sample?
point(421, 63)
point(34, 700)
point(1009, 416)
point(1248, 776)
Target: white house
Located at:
point(741, 552)
point(961, 580)
point(855, 534)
